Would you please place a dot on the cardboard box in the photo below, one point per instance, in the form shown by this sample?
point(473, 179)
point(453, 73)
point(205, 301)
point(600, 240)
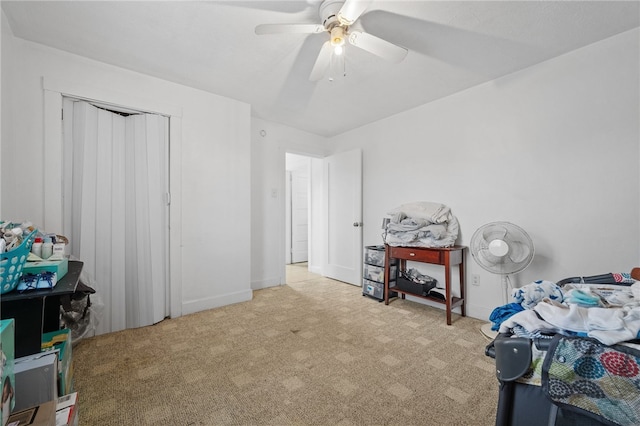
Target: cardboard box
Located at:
point(36, 380)
point(67, 410)
point(60, 341)
point(40, 415)
point(60, 267)
point(7, 356)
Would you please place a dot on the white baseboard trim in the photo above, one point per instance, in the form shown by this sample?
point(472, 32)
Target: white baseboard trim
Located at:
point(270, 282)
point(216, 302)
point(479, 312)
point(315, 269)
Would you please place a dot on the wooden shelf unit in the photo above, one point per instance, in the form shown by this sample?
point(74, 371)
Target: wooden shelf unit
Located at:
point(448, 257)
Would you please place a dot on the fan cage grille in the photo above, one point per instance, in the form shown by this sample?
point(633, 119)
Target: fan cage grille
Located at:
point(521, 249)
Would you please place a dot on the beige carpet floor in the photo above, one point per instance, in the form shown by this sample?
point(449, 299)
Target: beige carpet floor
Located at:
point(312, 352)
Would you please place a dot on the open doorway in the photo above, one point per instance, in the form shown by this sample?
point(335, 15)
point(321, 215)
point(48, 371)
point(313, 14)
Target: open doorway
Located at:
point(305, 235)
point(329, 223)
point(297, 192)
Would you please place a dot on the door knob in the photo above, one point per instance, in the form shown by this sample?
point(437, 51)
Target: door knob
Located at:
point(356, 224)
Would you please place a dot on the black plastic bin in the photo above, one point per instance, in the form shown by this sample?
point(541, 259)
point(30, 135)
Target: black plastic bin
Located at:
point(421, 289)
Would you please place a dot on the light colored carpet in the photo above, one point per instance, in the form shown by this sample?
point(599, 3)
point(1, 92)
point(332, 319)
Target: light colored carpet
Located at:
point(313, 352)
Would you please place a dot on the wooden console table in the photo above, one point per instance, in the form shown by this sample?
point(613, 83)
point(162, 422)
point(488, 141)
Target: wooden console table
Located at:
point(449, 256)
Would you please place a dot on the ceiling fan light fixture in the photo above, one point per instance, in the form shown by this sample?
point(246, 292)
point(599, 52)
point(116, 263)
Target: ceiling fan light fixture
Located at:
point(337, 66)
point(337, 17)
point(337, 36)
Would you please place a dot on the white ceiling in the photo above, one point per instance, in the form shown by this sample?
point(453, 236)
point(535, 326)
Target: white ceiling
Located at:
point(212, 46)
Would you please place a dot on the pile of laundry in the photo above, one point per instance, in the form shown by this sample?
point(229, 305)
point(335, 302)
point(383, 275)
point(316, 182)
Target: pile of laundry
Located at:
point(541, 309)
point(421, 224)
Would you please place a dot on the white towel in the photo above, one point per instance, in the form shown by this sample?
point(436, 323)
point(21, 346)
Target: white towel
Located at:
point(608, 325)
point(573, 318)
point(628, 332)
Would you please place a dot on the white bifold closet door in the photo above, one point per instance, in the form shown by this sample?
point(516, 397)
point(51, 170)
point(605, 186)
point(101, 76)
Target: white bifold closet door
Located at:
point(116, 211)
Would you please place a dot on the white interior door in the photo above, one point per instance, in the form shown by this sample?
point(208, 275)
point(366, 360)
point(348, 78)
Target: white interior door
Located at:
point(343, 201)
point(299, 217)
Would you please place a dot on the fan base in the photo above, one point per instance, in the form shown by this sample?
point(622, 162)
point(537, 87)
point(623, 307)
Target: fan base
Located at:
point(488, 332)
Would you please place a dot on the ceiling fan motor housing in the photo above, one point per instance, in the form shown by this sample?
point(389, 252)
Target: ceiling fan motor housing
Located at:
point(329, 13)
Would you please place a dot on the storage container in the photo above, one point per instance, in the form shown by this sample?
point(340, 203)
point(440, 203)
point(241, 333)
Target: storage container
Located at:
point(373, 272)
point(374, 255)
point(373, 289)
point(12, 264)
point(415, 288)
point(60, 267)
point(376, 273)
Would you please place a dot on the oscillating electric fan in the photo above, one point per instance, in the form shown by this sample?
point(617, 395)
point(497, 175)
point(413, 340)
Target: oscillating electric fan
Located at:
point(501, 248)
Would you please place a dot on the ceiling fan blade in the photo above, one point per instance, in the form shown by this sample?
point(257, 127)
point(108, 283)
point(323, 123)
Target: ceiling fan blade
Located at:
point(351, 10)
point(289, 29)
point(377, 46)
point(271, 6)
point(322, 62)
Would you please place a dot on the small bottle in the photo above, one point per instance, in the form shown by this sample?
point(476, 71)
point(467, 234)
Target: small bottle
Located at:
point(47, 248)
point(36, 247)
point(58, 251)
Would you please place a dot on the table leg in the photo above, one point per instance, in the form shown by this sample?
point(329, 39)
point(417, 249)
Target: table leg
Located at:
point(447, 284)
point(462, 285)
point(387, 274)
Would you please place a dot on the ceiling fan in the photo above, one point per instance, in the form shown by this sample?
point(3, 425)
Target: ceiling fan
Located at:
point(337, 17)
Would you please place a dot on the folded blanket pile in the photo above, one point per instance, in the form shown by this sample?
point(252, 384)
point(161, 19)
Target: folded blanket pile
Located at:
point(421, 224)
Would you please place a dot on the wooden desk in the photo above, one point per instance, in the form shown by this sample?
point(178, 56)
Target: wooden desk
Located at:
point(447, 257)
point(38, 311)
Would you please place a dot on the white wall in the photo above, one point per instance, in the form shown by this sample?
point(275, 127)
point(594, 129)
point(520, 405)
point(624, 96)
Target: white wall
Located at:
point(553, 148)
point(4, 47)
point(210, 166)
point(268, 211)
